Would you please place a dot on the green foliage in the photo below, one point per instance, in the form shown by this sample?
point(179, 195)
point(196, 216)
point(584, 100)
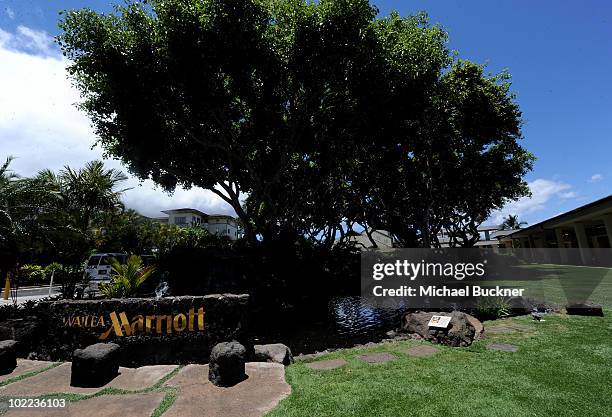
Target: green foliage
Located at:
point(161, 239)
point(32, 273)
point(126, 278)
point(53, 267)
point(306, 117)
point(26, 204)
point(90, 193)
point(492, 308)
point(56, 216)
point(512, 222)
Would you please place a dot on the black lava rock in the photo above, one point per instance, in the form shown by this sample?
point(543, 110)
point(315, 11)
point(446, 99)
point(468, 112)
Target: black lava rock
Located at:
point(584, 309)
point(8, 356)
point(95, 365)
point(226, 367)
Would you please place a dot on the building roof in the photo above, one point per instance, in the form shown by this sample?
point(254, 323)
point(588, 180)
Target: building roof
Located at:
point(503, 233)
point(185, 210)
point(483, 228)
point(591, 209)
point(222, 216)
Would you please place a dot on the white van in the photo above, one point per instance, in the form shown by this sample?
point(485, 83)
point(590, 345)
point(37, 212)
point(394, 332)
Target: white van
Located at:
point(98, 269)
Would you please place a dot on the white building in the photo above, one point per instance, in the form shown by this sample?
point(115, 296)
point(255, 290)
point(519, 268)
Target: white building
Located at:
point(487, 236)
point(217, 224)
point(383, 239)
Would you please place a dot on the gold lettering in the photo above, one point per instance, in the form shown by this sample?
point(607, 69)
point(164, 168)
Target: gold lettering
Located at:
point(137, 324)
point(201, 318)
point(191, 319)
point(180, 322)
point(121, 326)
point(118, 327)
point(169, 324)
point(148, 326)
point(158, 323)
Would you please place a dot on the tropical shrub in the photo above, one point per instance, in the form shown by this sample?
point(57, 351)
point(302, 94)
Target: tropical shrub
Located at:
point(54, 267)
point(126, 278)
point(492, 308)
point(31, 273)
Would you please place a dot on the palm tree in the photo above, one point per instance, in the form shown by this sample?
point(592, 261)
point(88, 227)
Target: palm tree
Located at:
point(24, 203)
point(90, 192)
point(126, 278)
point(512, 222)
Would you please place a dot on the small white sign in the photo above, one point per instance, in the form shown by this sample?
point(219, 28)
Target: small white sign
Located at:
point(439, 321)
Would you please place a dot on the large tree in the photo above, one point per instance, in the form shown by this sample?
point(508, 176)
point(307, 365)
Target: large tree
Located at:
point(307, 118)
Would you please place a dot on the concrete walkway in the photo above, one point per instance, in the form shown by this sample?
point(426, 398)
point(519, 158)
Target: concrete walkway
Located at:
point(25, 294)
point(167, 390)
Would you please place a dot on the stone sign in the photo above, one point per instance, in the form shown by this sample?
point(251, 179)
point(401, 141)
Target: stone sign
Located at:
point(439, 321)
point(119, 324)
point(149, 331)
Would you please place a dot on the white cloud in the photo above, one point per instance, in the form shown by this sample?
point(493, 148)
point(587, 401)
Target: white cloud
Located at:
point(542, 192)
point(28, 40)
point(568, 195)
point(10, 13)
point(596, 177)
point(42, 128)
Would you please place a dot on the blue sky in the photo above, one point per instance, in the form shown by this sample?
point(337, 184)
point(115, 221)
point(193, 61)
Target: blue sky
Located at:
point(558, 52)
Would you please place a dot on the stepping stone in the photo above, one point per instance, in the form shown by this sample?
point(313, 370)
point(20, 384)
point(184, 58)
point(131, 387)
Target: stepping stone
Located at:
point(57, 380)
point(377, 357)
point(134, 379)
point(499, 329)
point(25, 366)
point(421, 351)
point(505, 347)
point(133, 405)
point(327, 365)
point(52, 381)
point(518, 326)
point(255, 396)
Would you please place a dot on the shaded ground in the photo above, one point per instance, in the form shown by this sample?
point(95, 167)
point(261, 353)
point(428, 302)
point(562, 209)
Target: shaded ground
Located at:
point(167, 390)
point(562, 367)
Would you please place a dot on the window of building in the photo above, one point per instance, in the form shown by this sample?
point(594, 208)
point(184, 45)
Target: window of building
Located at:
point(180, 220)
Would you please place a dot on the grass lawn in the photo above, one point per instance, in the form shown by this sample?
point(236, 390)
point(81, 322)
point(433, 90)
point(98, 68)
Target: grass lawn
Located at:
point(563, 368)
point(558, 284)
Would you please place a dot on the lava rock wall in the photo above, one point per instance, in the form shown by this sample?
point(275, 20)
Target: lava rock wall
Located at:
point(149, 331)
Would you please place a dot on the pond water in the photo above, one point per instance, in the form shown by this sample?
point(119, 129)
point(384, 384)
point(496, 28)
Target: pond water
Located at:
point(348, 321)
